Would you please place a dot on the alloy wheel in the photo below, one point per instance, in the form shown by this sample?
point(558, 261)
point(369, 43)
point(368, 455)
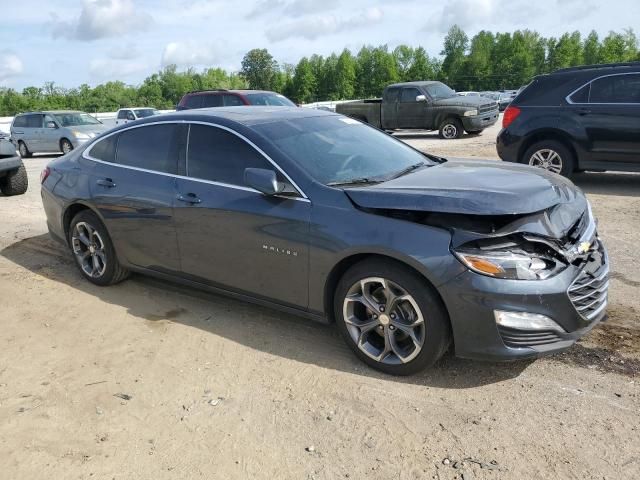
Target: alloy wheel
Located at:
point(22, 149)
point(89, 249)
point(450, 131)
point(66, 146)
point(548, 159)
point(384, 321)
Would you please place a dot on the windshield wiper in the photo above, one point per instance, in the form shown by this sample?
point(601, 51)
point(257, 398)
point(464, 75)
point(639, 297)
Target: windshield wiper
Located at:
point(409, 169)
point(354, 181)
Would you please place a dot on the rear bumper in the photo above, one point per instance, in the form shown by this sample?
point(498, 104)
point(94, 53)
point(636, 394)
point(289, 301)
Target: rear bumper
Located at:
point(480, 122)
point(508, 146)
point(472, 299)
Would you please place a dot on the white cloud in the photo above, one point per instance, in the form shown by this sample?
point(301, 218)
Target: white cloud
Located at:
point(10, 65)
point(190, 53)
point(124, 52)
point(318, 26)
point(101, 19)
point(107, 69)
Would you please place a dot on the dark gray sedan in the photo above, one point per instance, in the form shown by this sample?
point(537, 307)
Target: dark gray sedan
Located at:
point(318, 214)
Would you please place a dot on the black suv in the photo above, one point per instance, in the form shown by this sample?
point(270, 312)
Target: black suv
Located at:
point(575, 119)
point(232, 98)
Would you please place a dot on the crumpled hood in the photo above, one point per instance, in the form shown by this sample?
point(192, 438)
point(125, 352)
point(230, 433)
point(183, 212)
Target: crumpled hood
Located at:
point(473, 187)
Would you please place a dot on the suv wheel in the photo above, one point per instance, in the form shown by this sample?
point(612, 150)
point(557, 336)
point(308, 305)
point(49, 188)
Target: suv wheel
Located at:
point(451, 128)
point(93, 251)
point(15, 182)
point(550, 155)
point(23, 150)
point(390, 317)
point(66, 146)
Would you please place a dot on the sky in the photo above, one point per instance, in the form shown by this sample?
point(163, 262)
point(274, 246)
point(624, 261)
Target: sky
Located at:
point(71, 42)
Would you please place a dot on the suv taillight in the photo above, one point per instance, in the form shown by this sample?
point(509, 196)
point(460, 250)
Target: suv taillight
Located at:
point(44, 174)
point(510, 114)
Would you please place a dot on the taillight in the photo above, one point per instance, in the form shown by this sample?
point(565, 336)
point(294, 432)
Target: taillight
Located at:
point(44, 174)
point(510, 114)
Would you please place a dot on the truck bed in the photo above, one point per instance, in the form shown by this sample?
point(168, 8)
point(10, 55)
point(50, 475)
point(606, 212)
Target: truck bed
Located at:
point(365, 110)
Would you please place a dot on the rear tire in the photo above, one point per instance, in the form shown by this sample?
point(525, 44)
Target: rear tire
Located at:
point(551, 155)
point(23, 150)
point(450, 129)
point(406, 335)
point(93, 251)
point(15, 182)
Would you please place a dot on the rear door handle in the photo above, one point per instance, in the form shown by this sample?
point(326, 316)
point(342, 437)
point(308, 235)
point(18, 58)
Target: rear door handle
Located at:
point(584, 111)
point(191, 198)
point(106, 182)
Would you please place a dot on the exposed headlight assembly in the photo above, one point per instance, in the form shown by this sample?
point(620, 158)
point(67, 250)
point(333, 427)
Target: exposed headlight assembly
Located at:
point(471, 113)
point(512, 262)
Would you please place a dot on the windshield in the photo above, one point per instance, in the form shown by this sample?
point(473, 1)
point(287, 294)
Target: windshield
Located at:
point(336, 149)
point(146, 112)
point(75, 119)
point(270, 99)
point(439, 90)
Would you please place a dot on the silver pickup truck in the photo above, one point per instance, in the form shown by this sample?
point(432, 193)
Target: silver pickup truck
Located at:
point(424, 106)
point(13, 176)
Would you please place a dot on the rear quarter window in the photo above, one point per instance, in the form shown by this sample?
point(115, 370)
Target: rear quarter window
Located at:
point(105, 149)
point(193, 101)
point(211, 100)
point(20, 121)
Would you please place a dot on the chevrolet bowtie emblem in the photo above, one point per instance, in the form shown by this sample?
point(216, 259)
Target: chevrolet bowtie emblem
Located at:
point(584, 247)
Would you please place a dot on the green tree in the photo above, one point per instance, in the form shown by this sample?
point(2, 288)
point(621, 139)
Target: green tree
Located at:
point(591, 49)
point(456, 44)
point(259, 69)
point(345, 76)
point(304, 82)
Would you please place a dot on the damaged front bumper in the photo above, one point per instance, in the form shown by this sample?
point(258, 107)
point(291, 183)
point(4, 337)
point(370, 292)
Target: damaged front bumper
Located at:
point(575, 299)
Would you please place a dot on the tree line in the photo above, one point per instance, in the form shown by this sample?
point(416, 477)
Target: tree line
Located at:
point(487, 61)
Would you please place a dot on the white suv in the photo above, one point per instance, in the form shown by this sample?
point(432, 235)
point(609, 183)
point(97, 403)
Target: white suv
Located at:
point(126, 115)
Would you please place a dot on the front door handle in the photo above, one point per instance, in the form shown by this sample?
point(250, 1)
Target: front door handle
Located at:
point(106, 182)
point(190, 198)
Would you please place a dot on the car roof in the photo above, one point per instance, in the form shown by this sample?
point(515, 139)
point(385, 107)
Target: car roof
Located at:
point(239, 91)
point(137, 108)
point(248, 115)
point(414, 84)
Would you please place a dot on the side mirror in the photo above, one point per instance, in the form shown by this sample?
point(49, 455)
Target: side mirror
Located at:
point(263, 180)
point(52, 125)
point(421, 98)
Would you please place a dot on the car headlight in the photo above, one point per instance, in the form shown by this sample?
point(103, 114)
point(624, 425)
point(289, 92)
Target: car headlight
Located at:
point(80, 135)
point(510, 264)
point(471, 113)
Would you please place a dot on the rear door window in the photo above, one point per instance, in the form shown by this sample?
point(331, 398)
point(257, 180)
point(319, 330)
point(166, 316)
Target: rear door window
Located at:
point(616, 89)
point(232, 101)
point(211, 100)
point(105, 149)
point(218, 155)
point(154, 147)
point(34, 121)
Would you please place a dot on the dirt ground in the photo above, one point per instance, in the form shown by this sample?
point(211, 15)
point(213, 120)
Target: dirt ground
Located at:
point(150, 380)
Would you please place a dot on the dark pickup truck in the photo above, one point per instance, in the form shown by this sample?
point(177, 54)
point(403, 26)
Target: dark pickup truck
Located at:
point(424, 106)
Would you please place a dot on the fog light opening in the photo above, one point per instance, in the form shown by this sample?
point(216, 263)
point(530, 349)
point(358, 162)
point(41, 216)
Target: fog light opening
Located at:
point(526, 321)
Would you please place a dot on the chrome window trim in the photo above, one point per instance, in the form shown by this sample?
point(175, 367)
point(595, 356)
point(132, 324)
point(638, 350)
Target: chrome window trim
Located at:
point(87, 155)
point(570, 102)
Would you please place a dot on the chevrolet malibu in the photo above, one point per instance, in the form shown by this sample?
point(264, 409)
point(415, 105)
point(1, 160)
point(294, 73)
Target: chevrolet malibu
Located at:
point(321, 215)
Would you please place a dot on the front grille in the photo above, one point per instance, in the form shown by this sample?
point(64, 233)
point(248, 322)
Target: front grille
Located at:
point(487, 107)
point(523, 338)
point(589, 291)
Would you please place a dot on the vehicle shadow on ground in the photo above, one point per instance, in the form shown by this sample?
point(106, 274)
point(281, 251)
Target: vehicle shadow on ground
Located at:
point(256, 327)
point(619, 184)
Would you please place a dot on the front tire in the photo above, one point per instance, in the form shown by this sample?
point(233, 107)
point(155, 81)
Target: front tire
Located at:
point(550, 155)
point(93, 250)
point(15, 182)
point(65, 146)
point(450, 129)
point(390, 317)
